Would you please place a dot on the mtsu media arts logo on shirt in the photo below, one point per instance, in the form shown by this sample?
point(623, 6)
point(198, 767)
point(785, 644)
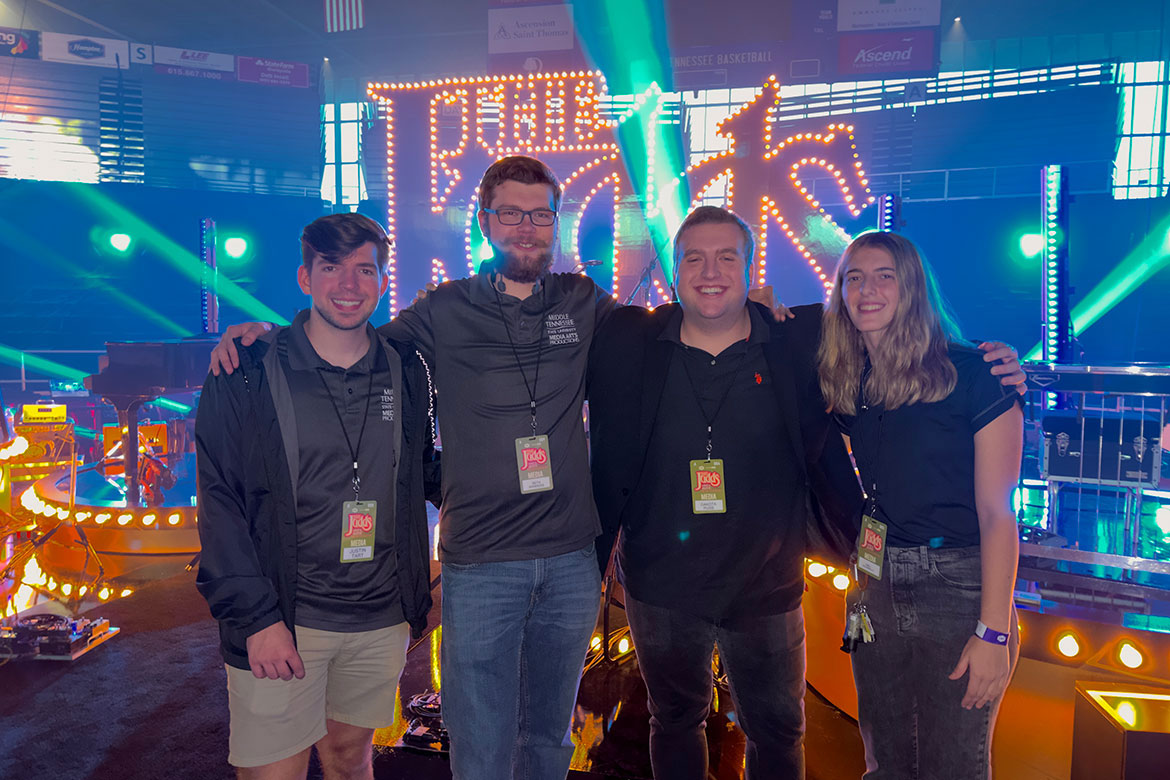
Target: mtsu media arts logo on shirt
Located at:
point(87, 49)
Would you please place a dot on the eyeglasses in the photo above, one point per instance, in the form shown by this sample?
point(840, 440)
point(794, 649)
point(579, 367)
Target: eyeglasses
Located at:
point(539, 217)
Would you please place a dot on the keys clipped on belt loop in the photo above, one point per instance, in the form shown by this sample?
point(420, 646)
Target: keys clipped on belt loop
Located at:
point(858, 629)
point(858, 626)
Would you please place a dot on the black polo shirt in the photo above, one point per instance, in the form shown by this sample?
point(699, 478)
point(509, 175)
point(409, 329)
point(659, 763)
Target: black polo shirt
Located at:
point(748, 560)
point(483, 348)
point(332, 595)
point(922, 456)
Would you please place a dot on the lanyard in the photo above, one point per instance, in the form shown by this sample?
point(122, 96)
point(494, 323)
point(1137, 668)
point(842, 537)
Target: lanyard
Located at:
point(726, 392)
point(539, 351)
point(353, 454)
point(872, 461)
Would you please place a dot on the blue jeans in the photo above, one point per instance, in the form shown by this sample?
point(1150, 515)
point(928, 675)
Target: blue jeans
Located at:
point(764, 659)
point(514, 640)
point(924, 610)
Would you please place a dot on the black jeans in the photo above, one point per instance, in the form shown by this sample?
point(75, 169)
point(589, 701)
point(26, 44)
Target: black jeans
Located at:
point(764, 658)
point(924, 610)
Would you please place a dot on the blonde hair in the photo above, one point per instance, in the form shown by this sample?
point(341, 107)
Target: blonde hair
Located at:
point(910, 363)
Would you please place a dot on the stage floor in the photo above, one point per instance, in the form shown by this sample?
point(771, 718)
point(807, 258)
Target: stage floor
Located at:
point(152, 703)
point(611, 727)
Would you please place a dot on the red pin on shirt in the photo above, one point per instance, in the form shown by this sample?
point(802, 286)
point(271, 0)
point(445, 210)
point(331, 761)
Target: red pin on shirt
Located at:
point(759, 379)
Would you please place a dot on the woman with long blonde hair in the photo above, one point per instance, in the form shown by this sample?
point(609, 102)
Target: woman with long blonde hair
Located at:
point(937, 440)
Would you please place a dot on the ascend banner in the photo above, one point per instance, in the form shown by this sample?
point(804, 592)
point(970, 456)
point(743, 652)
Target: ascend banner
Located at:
point(85, 50)
point(902, 52)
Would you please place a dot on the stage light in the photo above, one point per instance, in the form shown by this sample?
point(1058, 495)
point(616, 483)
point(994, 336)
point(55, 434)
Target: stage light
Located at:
point(1127, 713)
point(125, 592)
point(1130, 656)
point(66, 589)
point(173, 518)
point(104, 594)
point(1068, 645)
point(1031, 244)
point(595, 642)
point(623, 646)
point(1162, 519)
point(120, 242)
point(816, 569)
point(841, 581)
point(235, 247)
point(124, 519)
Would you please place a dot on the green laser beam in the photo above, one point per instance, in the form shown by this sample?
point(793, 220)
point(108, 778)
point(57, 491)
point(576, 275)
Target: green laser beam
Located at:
point(12, 235)
point(1145, 260)
point(174, 253)
point(626, 40)
point(39, 364)
point(174, 406)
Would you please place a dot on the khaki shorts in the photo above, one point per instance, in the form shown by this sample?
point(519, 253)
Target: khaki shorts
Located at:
point(350, 678)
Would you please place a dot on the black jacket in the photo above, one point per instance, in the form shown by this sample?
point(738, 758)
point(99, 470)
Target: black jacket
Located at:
point(247, 509)
point(627, 371)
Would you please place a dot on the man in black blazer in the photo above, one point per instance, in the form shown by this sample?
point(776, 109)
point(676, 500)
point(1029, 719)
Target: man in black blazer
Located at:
point(713, 453)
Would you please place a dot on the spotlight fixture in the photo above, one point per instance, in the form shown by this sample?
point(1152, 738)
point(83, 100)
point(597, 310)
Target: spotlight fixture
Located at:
point(1130, 656)
point(1068, 645)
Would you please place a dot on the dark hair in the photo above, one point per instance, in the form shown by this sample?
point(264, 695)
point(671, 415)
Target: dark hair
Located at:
point(335, 236)
point(720, 216)
point(526, 170)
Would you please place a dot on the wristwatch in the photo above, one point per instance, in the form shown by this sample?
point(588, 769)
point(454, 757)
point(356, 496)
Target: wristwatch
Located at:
point(989, 634)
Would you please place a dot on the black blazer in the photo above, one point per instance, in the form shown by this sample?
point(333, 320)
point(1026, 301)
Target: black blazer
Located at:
point(627, 372)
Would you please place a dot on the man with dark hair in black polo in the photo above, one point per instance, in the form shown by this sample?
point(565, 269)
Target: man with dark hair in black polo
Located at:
point(311, 461)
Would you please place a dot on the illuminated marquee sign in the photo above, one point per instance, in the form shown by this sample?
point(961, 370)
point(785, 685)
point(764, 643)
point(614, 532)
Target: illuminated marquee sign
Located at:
point(441, 135)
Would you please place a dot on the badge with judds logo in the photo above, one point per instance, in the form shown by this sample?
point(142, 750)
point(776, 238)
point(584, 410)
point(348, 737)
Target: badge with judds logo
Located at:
point(708, 494)
point(534, 464)
point(358, 521)
point(871, 546)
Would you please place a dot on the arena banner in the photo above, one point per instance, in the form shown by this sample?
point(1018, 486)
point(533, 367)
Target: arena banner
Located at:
point(141, 54)
point(274, 73)
point(886, 14)
point(190, 58)
point(20, 43)
point(85, 50)
point(532, 37)
point(888, 53)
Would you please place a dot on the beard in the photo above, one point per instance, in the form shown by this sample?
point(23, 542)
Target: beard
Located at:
point(525, 270)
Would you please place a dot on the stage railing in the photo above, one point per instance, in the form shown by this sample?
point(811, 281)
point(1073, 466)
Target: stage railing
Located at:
point(1093, 503)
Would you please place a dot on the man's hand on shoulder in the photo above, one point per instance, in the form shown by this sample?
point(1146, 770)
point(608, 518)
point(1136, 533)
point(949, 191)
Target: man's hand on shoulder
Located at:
point(225, 357)
point(767, 297)
point(272, 654)
point(1006, 364)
